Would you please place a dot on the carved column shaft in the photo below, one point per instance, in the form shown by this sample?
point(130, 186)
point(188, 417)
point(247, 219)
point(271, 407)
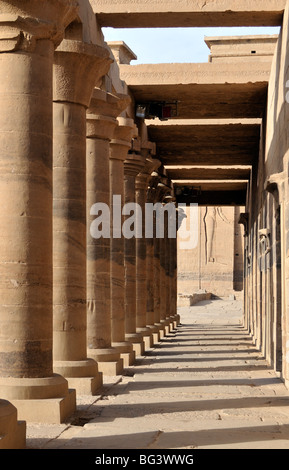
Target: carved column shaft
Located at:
point(152, 278)
point(101, 125)
point(29, 33)
point(26, 216)
point(132, 166)
point(119, 147)
point(155, 198)
point(164, 260)
point(77, 67)
point(141, 186)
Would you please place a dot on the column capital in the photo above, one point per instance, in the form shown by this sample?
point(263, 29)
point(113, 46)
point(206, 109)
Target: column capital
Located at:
point(133, 164)
point(122, 138)
point(77, 69)
point(148, 148)
point(22, 23)
point(101, 115)
point(103, 103)
point(163, 191)
point(108, 104)
point(152, 195)
point(143, 178)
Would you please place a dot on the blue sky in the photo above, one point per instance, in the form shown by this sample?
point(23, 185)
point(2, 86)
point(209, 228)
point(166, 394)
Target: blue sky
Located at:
point(174, 45)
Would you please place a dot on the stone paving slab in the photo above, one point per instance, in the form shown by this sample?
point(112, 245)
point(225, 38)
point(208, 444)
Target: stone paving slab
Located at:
point(205, 386)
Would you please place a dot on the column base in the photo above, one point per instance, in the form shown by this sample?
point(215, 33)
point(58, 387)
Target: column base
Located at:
point(86, 385)
point(126, 352)
point(165, 327)
point(178, 319)
point(161, 329)
point(168, 327)
point(108, 360)
point(155, 334)
point(83, 375)
point(286, 383)
point(40, 400)
point(12, 432)
point(173, 323)
point(137, 342)
point(49, 411)
point(147, 336)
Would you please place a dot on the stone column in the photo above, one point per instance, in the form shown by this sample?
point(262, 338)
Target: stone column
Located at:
point(157, 288)
point(173, 282)
point(163, 250)
point(30, 32)
point(77, 68)
point(156, 198)
point(171, 267)
point(174, 272)
point(157, 291)
point(152, 278)
point(132, 166)
point(101, 125)
point(141, 186)
point(119, 147)
point(167, 284)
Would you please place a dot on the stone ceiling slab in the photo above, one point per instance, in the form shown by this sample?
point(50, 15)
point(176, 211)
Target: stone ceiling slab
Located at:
point(215, 198)
point(214, 185)
point(184, 175)
point(207, 90)
point(206, 142)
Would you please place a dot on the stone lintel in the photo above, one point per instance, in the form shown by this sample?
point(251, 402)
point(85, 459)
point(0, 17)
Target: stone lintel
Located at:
point(169, 13)
point(194, 74)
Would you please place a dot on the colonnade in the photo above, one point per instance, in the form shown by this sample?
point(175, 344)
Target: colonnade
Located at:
point(73, 306)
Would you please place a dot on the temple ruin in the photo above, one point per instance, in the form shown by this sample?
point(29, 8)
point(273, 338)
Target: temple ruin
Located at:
point(83, 130)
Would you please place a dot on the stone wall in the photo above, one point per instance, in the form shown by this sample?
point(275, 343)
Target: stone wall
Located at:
point(216, 263)
point(267, 243)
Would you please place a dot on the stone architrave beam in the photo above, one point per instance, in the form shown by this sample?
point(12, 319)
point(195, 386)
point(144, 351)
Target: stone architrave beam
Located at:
point(169, 13)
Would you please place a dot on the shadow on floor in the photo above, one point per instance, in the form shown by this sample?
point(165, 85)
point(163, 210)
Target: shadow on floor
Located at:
point(189, 439)
point(181, 384)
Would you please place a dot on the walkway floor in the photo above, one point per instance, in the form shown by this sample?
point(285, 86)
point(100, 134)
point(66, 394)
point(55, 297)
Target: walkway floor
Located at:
point(205, 386)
